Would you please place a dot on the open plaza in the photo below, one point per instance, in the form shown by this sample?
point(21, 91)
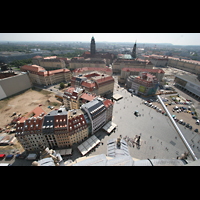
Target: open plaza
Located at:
point(159, 139)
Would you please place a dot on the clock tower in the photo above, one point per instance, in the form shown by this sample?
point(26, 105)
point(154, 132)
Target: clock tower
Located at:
point(92, 46)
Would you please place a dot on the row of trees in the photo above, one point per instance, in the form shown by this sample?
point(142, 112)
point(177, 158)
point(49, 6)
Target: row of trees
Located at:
point(18, 63)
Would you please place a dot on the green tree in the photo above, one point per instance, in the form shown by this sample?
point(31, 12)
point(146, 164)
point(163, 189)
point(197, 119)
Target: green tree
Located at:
point(62, 85)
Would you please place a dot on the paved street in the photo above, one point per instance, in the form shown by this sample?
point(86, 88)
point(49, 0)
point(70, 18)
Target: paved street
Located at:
point(164, 141)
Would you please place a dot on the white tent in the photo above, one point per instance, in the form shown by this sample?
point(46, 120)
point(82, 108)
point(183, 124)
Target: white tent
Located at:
point(109, 127)
point(89, 144)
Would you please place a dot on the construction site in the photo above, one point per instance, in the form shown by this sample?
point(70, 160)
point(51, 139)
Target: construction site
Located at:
point(18, 106)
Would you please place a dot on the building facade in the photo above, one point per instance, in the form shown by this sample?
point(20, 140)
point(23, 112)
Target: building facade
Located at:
point(96, 111)
point(119, 64)
point(188, 83)
point(73, 98)
point(84, 70)
point(144, 84)
point(80, 62)
point(52, 62)
point(192, 66)
point(109, 109)
point(39, 76)
point(126, 72)
point(78, 128)
point(94, 82)
point(61, 128)
point(29, 134)
point(158, 60)
point(57, 129)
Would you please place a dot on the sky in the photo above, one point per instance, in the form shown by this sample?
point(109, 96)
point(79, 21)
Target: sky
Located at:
point(173, 38)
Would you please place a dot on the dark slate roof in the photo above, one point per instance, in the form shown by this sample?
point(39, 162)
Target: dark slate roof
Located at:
point(95, 107)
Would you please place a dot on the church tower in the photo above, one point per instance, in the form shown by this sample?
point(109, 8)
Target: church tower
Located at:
point(134, 51)
point(92, 46)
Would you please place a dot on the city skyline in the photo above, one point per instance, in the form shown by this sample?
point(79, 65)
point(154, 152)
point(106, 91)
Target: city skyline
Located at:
point(173, 38)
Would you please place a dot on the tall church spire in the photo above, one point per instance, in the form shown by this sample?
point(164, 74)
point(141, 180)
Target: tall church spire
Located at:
point(92, 46)
point(134, 51)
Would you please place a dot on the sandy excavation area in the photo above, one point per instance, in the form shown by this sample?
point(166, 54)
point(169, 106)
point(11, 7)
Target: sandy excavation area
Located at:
point(24, 103)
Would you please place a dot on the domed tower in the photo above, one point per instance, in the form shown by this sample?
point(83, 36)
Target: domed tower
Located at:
point(92, 46)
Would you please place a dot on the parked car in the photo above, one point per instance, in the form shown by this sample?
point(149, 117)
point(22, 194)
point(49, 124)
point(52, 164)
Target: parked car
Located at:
point(9, 156)
point(2, 155)
point(197, 122)
point(187, 125)
point(190, 127)
point(194, 117)
point(196, 130)
point(20, 156)
point(183, 123)
point(176, 108)
point(130, 90)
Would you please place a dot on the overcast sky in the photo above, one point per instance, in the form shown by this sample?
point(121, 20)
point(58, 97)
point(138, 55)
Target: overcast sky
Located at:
point(173, 38)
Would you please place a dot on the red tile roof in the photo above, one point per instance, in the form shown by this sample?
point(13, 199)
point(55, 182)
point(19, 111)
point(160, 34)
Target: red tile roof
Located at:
point(36, 57)
point(108, 102)
point(160, 71)
point(105, 79)
point(34, 68)
point(88, 97)
point(70, 90)
point(92, 69)
point(38, 110)
point(88, 85)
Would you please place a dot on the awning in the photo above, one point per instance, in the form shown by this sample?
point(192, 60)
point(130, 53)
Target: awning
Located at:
point(109, 127)
point(64, 152)
point(117, 97)
point(88, 145)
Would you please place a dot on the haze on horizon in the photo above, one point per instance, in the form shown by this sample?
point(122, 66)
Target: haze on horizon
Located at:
point(173, 38)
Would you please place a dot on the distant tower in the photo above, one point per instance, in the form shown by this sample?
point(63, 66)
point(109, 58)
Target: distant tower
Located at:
point(134, 51)
point(92, 46)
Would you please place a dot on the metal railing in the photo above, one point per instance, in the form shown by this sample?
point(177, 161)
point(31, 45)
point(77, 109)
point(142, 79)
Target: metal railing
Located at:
point(178, 130)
